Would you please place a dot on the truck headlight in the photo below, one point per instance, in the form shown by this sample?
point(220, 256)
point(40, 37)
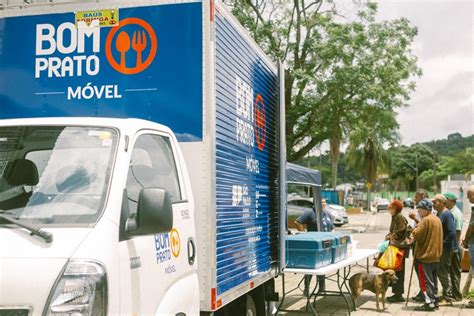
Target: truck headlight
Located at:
point(81, 290)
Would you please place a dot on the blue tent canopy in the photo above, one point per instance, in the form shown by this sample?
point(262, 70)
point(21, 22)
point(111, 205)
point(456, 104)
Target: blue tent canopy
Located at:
point(296, 174)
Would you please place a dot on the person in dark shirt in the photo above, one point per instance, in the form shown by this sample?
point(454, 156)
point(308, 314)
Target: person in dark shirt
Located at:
point(450, 247)
point(309, 220)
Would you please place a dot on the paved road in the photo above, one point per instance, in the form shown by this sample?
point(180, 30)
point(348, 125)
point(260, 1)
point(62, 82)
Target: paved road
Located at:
point(368, 229)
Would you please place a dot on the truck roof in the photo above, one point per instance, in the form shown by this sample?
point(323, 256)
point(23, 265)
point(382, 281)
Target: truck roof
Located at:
point(129, 124)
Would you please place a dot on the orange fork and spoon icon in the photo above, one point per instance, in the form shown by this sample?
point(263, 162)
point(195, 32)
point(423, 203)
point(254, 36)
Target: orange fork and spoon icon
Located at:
point(138, 43)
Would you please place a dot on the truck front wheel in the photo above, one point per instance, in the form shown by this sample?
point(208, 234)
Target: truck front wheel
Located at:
point(251, 308)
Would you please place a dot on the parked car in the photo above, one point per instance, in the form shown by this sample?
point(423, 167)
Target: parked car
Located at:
point(382, 204)
point(339, 214)
point(408, 202)
point(297, 206)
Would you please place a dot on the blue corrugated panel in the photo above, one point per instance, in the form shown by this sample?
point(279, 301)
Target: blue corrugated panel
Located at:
point(246, 159)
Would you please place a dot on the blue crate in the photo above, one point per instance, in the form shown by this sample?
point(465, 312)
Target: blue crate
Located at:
point(340, 246)
point(310, 250)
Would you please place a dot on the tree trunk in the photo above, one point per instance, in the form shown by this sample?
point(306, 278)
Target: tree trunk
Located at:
point(334, 173)
point(334, 151)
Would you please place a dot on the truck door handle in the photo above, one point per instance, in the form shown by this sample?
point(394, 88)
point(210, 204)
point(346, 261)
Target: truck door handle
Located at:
point(191, 251)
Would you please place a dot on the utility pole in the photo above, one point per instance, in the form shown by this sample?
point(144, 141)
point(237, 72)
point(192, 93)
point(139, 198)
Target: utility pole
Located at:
point(435, 182)
point(415, 168)
point(416, 171)
point(434, 158)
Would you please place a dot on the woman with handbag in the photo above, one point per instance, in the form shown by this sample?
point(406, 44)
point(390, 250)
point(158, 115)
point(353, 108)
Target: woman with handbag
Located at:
point(398, 237)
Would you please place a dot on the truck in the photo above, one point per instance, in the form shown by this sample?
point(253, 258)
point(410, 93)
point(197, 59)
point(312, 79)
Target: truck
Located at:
point(141, 159)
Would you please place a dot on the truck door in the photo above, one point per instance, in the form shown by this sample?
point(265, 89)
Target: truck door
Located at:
point(159, 269)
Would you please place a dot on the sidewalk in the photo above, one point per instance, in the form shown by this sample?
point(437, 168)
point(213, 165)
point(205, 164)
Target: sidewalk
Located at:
point(368, 229)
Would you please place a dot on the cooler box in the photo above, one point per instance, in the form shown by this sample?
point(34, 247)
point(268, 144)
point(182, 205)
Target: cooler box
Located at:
point(340, 245)
point(310, 250)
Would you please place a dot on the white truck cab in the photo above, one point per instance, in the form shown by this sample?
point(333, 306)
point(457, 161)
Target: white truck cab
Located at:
point(91, 185)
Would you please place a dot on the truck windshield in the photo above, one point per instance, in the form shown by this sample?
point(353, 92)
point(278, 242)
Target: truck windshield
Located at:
point(55, 174)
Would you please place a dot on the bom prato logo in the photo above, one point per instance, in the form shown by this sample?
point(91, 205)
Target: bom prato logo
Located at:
point(133, 37)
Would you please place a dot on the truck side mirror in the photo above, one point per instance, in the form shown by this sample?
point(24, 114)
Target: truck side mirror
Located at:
point(154, 213)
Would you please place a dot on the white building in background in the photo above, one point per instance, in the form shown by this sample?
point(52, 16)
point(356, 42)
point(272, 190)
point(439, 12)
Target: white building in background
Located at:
point(346, 187)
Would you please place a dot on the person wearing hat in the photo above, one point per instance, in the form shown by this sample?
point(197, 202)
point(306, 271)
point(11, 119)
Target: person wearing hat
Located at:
point(455, 271)
point(428, 235)
point(397, 234)
point(450, 247)
point(468, 241)
point(420, 194)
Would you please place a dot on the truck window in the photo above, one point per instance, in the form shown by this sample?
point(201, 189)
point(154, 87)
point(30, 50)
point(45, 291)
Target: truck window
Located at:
point(152, 166)
point(55, 174)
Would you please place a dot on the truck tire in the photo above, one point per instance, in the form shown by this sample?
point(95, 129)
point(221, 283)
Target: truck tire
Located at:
point(251, 309)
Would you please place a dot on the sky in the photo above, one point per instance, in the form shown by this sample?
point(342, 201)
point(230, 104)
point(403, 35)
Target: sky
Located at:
point(443, 102)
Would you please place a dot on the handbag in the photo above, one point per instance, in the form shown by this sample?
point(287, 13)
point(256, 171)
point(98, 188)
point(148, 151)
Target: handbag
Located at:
point(392, 258)
point(407, 241)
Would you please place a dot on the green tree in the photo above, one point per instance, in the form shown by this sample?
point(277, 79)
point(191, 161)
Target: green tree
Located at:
point(407, 162)
point(367, 140)
point(460, 163)
point(335, 67)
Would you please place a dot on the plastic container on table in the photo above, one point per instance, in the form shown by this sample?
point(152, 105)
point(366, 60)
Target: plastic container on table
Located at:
point(341, 246)
point(310, 250)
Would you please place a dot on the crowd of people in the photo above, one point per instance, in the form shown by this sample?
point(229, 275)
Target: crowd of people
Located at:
point(437, 248)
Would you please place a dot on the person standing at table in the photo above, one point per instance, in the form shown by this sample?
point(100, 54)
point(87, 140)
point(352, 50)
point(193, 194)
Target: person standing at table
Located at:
point(397, 233)
point(308, 221)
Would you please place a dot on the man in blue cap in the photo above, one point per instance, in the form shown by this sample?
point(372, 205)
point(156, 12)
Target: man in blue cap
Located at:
point(455, 271)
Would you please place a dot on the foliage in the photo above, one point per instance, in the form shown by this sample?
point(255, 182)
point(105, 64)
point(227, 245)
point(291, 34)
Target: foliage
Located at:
point(337, 69)
point(367, 140)
point(452, 145)
point(449, 156)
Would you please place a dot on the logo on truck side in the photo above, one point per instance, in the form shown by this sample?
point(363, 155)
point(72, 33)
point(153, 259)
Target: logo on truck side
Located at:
point(68, 51)
point(142, 41)
point(260, 122)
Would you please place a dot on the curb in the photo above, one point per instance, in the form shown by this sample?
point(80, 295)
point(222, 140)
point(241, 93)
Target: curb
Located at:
point(368, 223)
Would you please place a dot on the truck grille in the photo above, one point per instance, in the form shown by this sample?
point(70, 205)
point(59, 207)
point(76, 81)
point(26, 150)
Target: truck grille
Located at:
point(14, 312)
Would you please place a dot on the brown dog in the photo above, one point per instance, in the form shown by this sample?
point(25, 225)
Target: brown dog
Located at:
point(376, 283)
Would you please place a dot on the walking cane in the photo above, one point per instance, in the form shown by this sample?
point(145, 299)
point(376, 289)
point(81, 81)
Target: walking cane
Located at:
point(409, 284)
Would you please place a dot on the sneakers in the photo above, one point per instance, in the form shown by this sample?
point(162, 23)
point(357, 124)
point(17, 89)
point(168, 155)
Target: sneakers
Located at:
point(445, 302)
point(425, 308)
point(418, 298)
point(395, 299)
point(470, 304)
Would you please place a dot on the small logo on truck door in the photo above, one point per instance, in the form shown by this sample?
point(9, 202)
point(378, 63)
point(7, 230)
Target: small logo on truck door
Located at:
point(167, 246)
point(175, 242)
